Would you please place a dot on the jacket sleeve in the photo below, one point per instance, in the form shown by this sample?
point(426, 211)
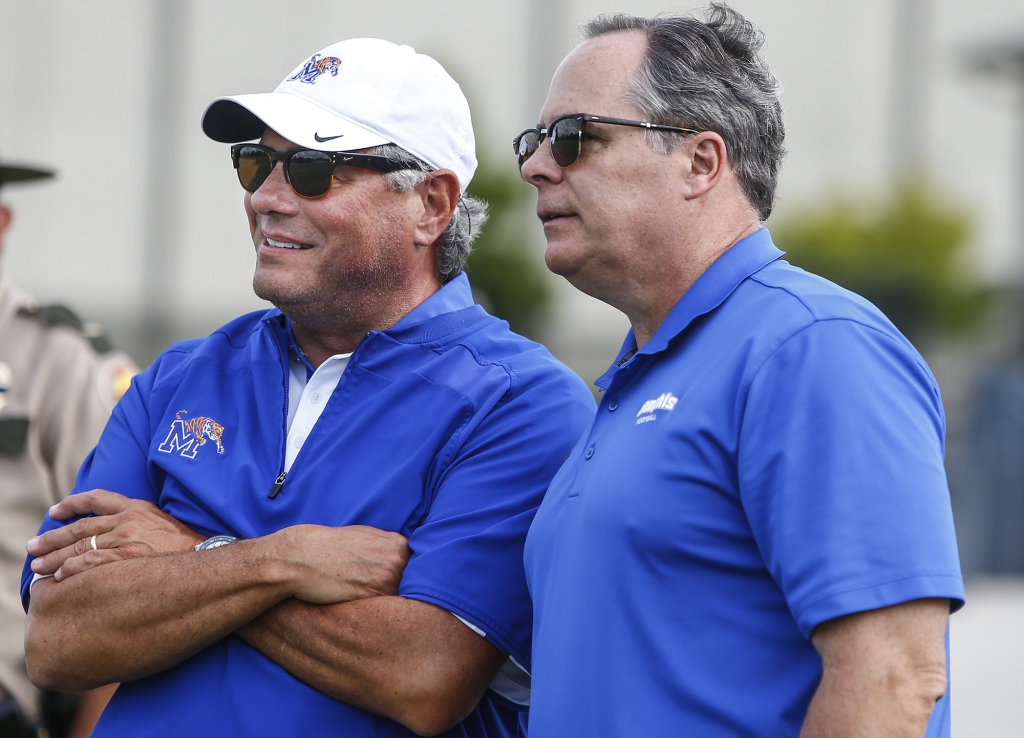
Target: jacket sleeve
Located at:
point(468, 553)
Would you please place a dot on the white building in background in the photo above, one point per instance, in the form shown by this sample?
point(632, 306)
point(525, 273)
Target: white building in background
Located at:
point(147, 213)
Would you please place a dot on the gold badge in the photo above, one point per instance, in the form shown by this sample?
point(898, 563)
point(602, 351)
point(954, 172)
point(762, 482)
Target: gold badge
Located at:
point(116, 375)
point(120, 381)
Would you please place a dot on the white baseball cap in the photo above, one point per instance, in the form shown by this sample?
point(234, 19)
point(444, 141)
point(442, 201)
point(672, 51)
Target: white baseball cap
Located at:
point(356, 94)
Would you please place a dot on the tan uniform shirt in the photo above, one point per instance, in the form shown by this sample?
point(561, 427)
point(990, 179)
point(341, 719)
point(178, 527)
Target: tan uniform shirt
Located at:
point(56, 393)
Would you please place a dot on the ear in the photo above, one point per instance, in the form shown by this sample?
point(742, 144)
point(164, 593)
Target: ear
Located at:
point(440, 195)
point(5, 220)
point(708, 161)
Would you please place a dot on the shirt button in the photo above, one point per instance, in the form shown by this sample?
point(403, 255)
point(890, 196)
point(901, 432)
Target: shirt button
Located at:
point(613, 406)
point(299, 440)
point(314, 398)
point(589, 453)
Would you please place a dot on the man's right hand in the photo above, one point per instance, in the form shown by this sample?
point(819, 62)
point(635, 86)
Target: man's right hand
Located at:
point(329, 565)
point(140, 615)
point(123, 528)
point(324, 565)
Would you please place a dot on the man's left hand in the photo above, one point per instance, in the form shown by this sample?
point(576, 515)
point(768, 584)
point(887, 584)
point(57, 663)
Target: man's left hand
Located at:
point(122, 528)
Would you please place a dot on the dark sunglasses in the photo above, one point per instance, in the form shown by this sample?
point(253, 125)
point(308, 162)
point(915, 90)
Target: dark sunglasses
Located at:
point(566, 133)
point(308, 171)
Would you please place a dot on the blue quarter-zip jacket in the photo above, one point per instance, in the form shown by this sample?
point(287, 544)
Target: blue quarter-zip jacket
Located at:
point(445, 428)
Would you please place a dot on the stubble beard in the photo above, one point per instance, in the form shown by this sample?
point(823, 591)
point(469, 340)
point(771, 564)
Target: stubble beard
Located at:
point(342, 298)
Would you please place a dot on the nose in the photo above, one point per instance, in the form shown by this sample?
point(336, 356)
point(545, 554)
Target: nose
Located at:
point(541, 166)
point(275, 194)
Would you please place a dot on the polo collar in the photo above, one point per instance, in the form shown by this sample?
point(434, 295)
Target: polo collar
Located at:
point(741, 260)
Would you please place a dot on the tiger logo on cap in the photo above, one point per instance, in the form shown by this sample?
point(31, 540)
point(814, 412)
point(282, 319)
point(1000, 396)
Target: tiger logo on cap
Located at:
point(316, 66)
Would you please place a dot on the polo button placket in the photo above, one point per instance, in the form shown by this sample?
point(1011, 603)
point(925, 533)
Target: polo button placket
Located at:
point(589, 453)
point(613, 406)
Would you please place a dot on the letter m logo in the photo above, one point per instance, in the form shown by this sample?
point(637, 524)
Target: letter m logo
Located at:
point(179, 438)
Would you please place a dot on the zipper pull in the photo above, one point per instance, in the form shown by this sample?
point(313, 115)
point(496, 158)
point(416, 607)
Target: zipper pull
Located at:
point(278, 483)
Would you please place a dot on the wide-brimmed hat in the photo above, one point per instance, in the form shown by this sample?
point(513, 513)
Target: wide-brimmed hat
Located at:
point(358, 94)
point(12, 173)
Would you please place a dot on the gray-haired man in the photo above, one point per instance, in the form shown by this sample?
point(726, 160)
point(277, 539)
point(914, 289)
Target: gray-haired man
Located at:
point(754, 537)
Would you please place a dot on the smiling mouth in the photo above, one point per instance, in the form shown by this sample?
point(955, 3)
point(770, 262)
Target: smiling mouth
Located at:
point(273, 243)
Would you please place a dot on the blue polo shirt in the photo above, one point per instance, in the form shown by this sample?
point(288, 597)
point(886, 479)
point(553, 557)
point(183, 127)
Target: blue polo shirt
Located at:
point(771, 459)
point(446, 428)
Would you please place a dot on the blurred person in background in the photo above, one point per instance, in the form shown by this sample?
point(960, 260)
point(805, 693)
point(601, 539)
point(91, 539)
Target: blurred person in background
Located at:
point(59, 380)
point(312, 522)
point(754, 538)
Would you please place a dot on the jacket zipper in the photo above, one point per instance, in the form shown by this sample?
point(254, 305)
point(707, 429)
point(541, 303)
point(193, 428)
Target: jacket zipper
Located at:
point(275, 488)
point(278, 483)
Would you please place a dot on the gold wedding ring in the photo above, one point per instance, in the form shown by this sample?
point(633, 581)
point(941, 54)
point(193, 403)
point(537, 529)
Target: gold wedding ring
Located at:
point(92, 544)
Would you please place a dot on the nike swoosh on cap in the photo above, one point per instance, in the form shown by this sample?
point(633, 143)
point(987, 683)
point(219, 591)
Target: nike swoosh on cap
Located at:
point(321, 139)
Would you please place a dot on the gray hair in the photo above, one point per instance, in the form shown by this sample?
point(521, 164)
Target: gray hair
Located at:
point(470, 213)
point(710, 76)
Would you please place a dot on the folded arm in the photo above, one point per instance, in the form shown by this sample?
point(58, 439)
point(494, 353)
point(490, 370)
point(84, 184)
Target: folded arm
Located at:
point(123, 612)
point(398, 657)
point(134, 618)
point(882, 672)
point(407, 660)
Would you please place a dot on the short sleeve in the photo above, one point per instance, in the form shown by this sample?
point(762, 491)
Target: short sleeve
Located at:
point(841, 474)
point(468, 553)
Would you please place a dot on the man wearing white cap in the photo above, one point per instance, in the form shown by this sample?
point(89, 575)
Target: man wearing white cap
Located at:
point(314, 518)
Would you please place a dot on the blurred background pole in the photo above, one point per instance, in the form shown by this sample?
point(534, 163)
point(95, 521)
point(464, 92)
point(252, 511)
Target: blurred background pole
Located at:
point(912, 62)
point(549, 41)
point(163, 177)
point(1001, 395)
point(1005, 61)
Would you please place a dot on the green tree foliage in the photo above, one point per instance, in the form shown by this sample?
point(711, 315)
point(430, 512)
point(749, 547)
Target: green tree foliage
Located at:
point(503, 272)
point(905, 255)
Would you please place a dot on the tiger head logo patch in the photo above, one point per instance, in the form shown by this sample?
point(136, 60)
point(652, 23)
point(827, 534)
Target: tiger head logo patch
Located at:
point(188, 435)
point(316, 66)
